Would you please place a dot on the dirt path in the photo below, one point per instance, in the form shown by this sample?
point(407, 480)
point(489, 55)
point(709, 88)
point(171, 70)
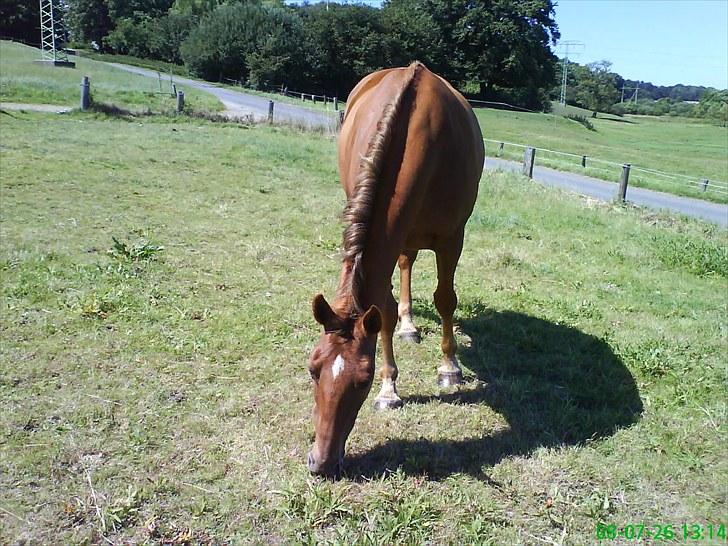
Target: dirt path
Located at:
point(53, 108)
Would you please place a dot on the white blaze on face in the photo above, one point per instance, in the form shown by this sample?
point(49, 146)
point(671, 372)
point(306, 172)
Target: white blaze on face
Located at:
point(337, 367)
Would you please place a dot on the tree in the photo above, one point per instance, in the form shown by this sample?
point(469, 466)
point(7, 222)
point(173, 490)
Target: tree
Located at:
point(714, 105)
point(499, 47)
point(20, 20)
point(277, 59)
point(414, 35)
point(89, 21)
point(596, 86)
point(134, 9)
point(341, 45)
point(219, 46)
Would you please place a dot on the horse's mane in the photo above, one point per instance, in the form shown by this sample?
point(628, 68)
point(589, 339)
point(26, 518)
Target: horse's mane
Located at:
point(359, 208)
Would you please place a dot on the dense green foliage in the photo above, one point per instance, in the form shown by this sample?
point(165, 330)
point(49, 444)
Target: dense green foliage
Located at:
point(497, 50)
point(19, 20)
point(597, 88)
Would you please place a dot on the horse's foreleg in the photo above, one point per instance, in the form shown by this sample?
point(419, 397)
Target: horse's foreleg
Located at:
point(407, 329)
point(388, 397)
point(449, 372)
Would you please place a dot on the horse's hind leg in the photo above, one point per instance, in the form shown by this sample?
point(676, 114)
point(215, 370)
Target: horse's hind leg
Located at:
point(448, 254)
point(407, 329)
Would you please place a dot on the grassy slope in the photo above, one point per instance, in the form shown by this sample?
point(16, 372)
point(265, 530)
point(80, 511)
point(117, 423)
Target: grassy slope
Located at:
point(21, 80)
point(699, 150)
point(157, 399)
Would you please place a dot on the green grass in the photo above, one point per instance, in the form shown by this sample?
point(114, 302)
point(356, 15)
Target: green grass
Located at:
point(156, 325)
point(673, 145)
point(22, 80)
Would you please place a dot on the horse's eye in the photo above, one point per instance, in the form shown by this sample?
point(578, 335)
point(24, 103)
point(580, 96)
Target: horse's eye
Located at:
point(313, 376)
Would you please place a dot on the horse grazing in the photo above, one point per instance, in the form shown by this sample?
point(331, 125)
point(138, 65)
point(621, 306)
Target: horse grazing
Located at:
point(410, 158)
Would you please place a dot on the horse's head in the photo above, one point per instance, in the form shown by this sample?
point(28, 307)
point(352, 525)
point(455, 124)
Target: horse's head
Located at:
point(342, 369)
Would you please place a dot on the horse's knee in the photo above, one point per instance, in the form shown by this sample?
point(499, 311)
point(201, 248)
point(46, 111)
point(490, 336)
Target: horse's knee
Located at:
point(445, 300)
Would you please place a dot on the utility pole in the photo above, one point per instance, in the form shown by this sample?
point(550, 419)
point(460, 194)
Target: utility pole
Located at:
point(570, 46)
point(633, 98)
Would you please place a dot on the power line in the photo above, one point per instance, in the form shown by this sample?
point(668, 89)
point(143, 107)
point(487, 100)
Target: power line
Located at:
point(576, 48)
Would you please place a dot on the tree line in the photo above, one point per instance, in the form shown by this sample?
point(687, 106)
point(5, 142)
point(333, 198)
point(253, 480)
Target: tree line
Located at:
point(495, 50)
point(491, 49)
point(595, 87)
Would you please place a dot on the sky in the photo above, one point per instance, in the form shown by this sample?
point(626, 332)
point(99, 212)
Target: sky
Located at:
point(665, 42)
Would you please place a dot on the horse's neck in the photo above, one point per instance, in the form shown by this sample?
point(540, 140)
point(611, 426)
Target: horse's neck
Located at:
point(377, 266)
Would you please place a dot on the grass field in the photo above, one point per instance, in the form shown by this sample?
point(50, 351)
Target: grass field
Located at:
point(21, 80)
point(156, 326)
point(674, 145)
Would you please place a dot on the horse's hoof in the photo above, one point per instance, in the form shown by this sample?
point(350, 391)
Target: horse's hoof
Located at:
point(387, 403)
point(448, 379)
point(410, 337)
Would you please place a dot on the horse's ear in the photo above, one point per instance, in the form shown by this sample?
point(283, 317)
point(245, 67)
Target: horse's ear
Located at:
point(323, 313)
point(372, 320)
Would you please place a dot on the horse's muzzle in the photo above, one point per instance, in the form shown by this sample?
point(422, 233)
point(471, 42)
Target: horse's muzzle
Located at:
point(329, 469)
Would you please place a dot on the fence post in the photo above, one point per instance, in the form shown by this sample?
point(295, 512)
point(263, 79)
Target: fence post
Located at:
point(528, 158)
point(313, 99)
point(270, 111)
point(180, 101)
point(174, 89)
point(336, 103)
point(583, 161)
point(705, 183)
point(500, 149)
point(623, 181)
point(85, 93)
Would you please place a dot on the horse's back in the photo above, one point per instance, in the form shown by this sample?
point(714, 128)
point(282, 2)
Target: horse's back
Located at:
point(434, 160)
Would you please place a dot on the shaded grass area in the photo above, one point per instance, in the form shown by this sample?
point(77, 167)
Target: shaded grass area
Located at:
point(22, 80)
point(673, 145)
point(156, 325)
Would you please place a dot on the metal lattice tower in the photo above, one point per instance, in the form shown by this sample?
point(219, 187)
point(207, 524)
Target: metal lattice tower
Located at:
point(48, 33)
point(573, 45)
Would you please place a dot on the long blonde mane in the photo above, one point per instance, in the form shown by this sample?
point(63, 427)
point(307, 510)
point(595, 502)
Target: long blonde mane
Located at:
point(359, 208)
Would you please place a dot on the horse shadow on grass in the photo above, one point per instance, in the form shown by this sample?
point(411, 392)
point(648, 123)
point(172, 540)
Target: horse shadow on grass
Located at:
point(554, 385)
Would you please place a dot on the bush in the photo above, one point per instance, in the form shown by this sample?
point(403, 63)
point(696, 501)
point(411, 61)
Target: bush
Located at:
point(277, 59)
point(582, 119)
point(159, 38)
point(129, 38)
point(219, 47)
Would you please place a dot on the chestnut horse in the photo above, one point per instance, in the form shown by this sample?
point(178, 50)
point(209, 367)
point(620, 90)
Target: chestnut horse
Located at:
point(410, 159)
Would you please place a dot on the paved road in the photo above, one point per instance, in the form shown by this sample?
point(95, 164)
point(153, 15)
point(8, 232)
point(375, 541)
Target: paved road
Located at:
point(239, 104)
point(607, 191)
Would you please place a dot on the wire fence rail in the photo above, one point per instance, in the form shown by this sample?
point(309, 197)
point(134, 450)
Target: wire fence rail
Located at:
point(703, 185)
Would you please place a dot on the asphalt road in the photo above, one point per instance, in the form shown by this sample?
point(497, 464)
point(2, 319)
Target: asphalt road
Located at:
point(239, 104)
point(607, 191)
